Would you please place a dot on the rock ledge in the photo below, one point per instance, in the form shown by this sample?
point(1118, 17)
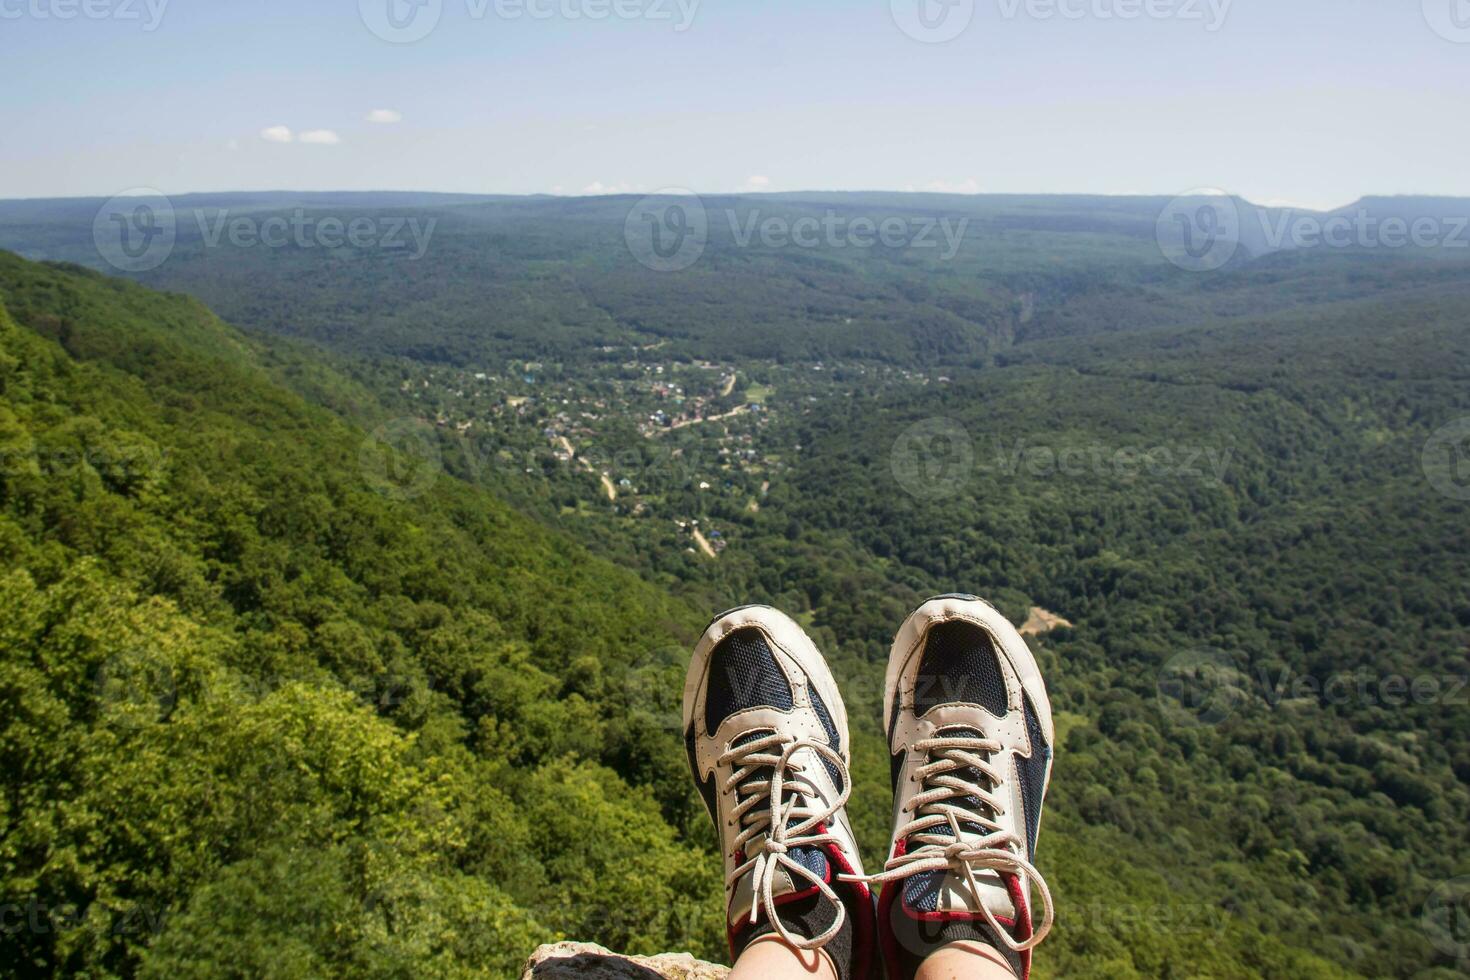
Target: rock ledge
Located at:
point(563, 961)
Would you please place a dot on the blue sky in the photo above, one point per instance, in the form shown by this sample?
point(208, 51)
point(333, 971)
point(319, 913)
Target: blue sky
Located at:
point(1313, 102)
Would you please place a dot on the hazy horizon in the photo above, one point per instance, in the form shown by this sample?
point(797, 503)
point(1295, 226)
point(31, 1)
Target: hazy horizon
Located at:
point(144, 192)
point(1299, 104)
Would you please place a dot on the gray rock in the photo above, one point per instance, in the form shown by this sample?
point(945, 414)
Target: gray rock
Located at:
point(588, 961)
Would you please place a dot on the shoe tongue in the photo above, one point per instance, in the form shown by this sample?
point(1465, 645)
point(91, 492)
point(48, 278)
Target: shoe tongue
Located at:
point(782, 887)
point(969, 775)
point(786, 883)
point(948, 892)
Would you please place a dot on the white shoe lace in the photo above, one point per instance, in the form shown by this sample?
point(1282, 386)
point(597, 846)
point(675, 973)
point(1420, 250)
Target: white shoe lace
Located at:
point(773, 820)
point(997, 850)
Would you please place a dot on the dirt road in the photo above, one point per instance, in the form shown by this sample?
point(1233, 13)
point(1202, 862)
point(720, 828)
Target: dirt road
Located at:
point(1040, 621)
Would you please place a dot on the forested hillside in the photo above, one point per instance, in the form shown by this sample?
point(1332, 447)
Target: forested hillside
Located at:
point(261, 718)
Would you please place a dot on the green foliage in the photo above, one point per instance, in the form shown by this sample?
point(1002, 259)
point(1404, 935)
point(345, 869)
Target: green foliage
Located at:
point(329, 730)
point(261, 719)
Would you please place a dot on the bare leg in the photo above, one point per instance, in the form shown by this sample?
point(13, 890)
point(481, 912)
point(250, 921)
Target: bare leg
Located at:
point(965, 961)
point(770, 958)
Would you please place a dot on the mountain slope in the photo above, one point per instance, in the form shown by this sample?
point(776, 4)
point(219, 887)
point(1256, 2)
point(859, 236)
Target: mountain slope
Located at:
point(259, 714)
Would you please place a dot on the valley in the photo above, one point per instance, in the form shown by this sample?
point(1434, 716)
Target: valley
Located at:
point(1148, 469)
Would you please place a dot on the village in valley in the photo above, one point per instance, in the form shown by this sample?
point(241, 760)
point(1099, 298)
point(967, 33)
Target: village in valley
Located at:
point(695, 444)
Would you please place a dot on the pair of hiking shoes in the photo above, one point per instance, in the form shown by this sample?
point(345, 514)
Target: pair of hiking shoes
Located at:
point(969, 733)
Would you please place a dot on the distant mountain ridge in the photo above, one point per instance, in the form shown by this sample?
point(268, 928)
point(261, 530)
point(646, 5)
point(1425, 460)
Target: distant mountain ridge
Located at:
point(487, 277)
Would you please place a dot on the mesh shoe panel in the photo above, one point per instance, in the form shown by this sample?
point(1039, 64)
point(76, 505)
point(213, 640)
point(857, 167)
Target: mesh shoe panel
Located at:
point(743, 674)
point(1032, 774)
point(960, 665)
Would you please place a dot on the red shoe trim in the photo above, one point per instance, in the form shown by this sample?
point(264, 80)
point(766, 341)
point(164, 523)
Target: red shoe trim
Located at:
point(863, 928)
point(1021, 925)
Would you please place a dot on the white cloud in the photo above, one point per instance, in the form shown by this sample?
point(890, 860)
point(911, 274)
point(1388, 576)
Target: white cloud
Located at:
point(967, 186)
point(757, 183)
point(232, 145)
point(598, 187)
point(323, 137)
point(276, 134)
point(385, 116)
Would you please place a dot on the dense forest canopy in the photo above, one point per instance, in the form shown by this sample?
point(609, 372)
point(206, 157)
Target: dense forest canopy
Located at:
point(278, 697)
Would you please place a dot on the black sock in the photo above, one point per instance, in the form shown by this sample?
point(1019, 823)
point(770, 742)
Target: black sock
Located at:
point(916, 939)
point(851, 953)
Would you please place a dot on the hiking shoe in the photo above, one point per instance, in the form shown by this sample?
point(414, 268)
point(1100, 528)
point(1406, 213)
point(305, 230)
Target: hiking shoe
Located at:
point(766, 734)
point(970, 736)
